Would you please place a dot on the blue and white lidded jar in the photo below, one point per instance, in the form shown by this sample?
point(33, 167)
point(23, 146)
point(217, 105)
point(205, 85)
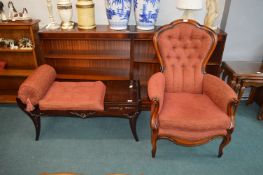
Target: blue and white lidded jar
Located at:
point(146, 13)
point(118, 13)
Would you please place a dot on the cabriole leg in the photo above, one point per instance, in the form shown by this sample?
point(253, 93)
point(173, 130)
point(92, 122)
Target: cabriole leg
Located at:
point(133, 121)
point(37, 124)
point(33, 115)
point(154, 143)
point(226, 141)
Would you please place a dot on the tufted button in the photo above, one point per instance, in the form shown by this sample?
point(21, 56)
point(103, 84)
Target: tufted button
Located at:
point(174, 47)
point(172, 65)
point(189, 57)
point(180, 38)
point(195, 47)
point(183, 66)
point(184, 46)
point(169, 37)
point(168, 57)
point(178, 57)
point(203, 37)
point(200, 57)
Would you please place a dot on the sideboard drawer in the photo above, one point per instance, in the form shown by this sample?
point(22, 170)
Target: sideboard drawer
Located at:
point(121, 109)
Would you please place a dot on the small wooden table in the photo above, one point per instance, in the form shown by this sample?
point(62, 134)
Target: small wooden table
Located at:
point(242, 74)
point(123, 99)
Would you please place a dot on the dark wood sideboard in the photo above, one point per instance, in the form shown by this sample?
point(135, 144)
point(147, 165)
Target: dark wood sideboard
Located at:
point(105, 54)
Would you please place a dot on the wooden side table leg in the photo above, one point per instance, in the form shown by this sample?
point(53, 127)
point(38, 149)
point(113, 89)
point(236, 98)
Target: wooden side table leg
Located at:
point(224, 74)
point(251, 96)
point(260, 114)
point(233, 84)
point(133, 121)
point(241, 92)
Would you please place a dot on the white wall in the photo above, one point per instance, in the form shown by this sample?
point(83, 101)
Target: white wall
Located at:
point(38, 9)
point(245, 30)
point(244, 26)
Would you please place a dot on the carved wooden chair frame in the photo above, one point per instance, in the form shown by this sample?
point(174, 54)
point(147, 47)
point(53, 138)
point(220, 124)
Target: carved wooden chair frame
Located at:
point(154, 123)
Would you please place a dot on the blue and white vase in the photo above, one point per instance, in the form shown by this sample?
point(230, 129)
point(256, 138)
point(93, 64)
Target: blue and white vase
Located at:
point(146, 13)
point(118, 13)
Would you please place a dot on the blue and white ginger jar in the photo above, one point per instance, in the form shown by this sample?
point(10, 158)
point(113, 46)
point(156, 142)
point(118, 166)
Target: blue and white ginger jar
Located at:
point(146, 13)
point(118, 13)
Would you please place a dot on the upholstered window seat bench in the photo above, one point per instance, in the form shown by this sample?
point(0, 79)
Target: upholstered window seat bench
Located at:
point(42, 95)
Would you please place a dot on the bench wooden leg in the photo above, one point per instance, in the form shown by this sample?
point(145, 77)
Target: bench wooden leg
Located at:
point(33, 115)
point(36, 120)
point(133, 121)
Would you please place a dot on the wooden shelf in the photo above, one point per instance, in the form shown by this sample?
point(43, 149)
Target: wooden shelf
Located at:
point(101, 32)
point(89, 77)
point(15, 73)
point(93, 74)
point(15, 50)
point(88, 55)
point(7, 99)
point(145, 60)
point(20, 23)
point(8, 96)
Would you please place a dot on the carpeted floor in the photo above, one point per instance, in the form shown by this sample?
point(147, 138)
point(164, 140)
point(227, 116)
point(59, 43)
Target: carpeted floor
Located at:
point(101, 146)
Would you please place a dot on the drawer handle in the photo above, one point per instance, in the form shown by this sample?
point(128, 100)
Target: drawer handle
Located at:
point(129, 107)
point(116, 108)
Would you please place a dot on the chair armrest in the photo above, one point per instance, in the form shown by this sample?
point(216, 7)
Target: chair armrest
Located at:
point(220, 93)
point(36, 85)
point(156, 86)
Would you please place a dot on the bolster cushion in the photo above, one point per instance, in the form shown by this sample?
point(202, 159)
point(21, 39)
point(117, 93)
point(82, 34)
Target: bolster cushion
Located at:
point(37, 84)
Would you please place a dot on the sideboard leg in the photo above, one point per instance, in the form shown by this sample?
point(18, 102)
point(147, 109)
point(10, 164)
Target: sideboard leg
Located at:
point(260, 114)
point(251, 95)
point(133, 121)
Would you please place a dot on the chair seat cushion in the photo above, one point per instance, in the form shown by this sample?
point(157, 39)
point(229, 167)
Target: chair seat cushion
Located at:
point(74, 96)
point(192, 136)
point(192, 112)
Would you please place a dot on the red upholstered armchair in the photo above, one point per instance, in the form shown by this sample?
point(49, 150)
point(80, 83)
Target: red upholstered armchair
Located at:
point(189, 107)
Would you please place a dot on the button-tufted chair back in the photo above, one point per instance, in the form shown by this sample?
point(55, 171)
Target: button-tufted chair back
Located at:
point(183, 49)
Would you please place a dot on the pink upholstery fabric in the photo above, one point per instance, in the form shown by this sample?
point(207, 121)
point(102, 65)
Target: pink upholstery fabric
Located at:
point(183, 49)
point(156, 87)
point(192, 112)
point(219, 92)
point(36, 85)
point(191, 135)
point(74, 96)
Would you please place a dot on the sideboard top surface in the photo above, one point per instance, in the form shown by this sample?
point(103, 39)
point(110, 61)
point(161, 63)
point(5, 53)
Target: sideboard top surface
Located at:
point(103, 31)
point(20, 23)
